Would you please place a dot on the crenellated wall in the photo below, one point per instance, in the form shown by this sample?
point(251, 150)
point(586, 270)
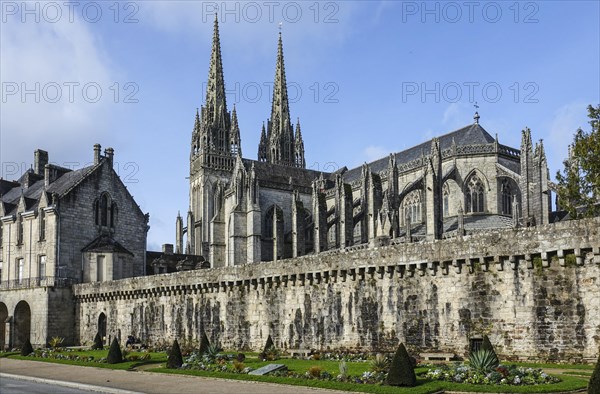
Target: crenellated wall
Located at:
point(535, 291)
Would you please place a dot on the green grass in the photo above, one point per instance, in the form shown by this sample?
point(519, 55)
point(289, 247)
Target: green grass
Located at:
point(424, 386)
point(97, 354)
point(578, 373)
point(552, 365)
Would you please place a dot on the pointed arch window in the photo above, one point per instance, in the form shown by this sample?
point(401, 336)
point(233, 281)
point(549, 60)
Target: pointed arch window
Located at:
point(412, 206)
point(19, 229)
point(446, 199)
point(104, 210)
point(506, 197)
point(269, 222)
point(42, 222)
point(475, 195)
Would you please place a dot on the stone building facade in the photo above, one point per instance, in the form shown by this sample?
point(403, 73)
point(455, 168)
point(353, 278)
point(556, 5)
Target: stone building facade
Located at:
point(247, 211)
point(59, 227)
point(535, 291)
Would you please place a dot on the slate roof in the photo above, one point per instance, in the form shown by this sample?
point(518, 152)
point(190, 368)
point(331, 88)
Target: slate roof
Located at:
point(105, 244)
point(61, 186)
point(472, 134)
point(276, 173)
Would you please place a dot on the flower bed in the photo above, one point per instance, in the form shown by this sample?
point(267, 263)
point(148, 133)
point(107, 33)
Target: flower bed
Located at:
point(503, 375)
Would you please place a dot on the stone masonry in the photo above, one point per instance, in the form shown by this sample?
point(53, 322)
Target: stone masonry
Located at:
point(535, 291)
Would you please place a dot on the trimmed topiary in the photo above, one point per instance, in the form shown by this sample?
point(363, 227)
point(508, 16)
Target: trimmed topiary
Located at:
point(268, 345)
point(175, 360)
point(204, 343)
point(27, 349)
point(401, 372)
point(487, 345)
point(594, 386)
point(98, 344)
point(114, 353)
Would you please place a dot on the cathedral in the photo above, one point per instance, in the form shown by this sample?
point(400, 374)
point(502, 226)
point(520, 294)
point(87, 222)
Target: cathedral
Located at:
point(247, 211)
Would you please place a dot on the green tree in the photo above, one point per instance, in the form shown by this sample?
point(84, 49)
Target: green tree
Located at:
point(594, 386)
point(579, 183)
point(401, 371)
point(114, 353)
point(175, 359)
point(27, 349)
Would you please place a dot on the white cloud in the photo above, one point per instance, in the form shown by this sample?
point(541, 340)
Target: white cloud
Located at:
point(567, 119)
point(456, 115)
point(372, 153)
point(51, 59)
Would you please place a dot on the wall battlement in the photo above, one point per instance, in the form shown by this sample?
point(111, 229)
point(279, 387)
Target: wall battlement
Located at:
point(535, 291)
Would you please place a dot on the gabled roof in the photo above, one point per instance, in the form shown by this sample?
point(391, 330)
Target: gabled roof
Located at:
point(105, 244)
point(280, 174)
point(472, 134)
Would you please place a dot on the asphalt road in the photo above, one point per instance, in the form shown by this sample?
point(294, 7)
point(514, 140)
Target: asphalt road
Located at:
point(16, 386)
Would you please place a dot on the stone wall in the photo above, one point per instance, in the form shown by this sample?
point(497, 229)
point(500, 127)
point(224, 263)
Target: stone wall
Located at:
point(535, 291)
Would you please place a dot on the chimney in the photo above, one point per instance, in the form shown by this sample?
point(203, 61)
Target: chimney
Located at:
point(97, 153)
point(47, 175)
point(40, 158)
point(109, 153)
point(167, 248)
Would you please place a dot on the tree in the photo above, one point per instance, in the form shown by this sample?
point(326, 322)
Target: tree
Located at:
point(401, 371)
point(27, 349)
point(114, 353)
point(579, 183)
point(175, 360)
point(98, 345)
point(594, 386)
point(204, 343)
point(487, 345)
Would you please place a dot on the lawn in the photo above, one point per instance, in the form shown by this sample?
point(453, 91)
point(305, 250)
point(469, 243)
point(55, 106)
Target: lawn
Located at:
point(424, 386)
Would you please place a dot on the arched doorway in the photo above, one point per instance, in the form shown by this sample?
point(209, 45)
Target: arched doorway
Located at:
point(102, 327)
point(3, 317)
point(22, 323)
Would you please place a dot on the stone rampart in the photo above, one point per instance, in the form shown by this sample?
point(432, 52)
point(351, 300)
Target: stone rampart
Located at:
point(535, 291)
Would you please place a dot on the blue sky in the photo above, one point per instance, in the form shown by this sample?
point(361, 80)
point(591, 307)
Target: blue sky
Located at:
point(366, 78)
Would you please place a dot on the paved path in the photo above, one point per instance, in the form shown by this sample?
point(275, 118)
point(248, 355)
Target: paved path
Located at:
point(93, 379)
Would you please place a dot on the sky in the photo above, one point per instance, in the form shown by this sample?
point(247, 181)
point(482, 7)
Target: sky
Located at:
point(366, 78)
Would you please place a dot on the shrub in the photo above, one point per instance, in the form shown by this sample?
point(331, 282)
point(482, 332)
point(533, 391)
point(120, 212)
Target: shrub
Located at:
point(238, 366)
point(268, 345)
point(240, 358)
point(343, 367)
point(204, 343)
point(487, 345)
point(211, 353)
point(315, 371)
point(401, 372)
point(56, 342)
point(98, 344)
point(483, 360)
point(175, 360)
point(594, 386)
point(379, 363)
point(27, 349)
point(316, 356)
point(114, 353)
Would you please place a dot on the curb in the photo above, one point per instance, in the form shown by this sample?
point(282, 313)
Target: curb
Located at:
point(80, 386)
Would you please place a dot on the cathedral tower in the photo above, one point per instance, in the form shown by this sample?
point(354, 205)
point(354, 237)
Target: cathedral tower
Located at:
point(279, 144)
point(214, 147)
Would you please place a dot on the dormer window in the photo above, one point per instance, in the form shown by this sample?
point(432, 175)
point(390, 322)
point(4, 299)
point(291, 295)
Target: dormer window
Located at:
point(42, 222)
point(19, 229)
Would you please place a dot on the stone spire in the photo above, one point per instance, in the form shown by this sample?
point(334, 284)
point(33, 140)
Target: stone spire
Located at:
point(215, 140)
point(215, 91)
point(299, 147)
point(281, 142)
point(263, 145)
point(234, 134)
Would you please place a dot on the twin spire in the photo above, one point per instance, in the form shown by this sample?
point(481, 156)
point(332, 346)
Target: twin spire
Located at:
point(216, 135)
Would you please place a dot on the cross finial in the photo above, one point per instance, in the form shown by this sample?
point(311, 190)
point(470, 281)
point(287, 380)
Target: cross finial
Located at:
point(280, 26)
point(476, 117)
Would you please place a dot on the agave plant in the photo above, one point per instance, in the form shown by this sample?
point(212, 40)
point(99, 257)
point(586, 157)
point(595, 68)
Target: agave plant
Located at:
point(211, 352)
point(483, 360)
point(343, 369)
point(379, 363)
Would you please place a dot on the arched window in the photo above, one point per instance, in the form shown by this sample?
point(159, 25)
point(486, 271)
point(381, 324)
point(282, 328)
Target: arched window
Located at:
point(104, 210)
point(113, 214)
point(446, 199)
point(506, 197)
point(412, 206)
point(474, 195)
